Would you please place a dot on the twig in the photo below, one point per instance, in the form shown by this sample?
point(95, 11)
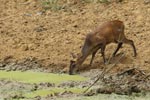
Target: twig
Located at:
point(147, 76)
point(141, 71)
point(103, 73)
point(126, 71)
point(130, 70)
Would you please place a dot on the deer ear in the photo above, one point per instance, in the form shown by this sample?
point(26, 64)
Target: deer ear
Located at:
point(73, 55)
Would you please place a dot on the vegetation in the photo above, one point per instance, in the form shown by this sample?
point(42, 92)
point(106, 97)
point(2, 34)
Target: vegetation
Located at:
point(58, 5)
point(37, 77)
point(51, 4)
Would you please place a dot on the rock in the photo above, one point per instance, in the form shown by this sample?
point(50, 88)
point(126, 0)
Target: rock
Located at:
point(31, 47)
point(2, 65)
point(37, 98)
point(66, 92)
point(39, 13)
point(35, 87)
point(146, 1)
point(5, 59)
point(28, 14)
point(40, 29)
point(47, 84)
point(24, 47)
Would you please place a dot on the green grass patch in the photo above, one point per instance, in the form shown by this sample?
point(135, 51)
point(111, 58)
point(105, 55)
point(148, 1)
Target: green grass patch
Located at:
point(38, 77)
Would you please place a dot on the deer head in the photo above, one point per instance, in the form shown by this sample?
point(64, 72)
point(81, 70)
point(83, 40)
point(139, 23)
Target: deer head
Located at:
point(72, 63)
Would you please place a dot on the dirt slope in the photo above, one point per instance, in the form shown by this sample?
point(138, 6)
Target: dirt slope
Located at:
point(27, 31)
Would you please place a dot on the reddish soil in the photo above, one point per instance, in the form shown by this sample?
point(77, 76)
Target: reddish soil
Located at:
point(26, 30)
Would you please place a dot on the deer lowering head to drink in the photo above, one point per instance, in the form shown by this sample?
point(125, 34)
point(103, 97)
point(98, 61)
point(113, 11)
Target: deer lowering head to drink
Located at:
point(109, 32)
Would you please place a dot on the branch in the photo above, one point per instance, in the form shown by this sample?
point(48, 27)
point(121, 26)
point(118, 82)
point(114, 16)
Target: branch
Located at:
point(104, 72)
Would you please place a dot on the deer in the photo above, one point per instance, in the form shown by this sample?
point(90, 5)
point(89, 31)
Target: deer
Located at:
point(108, 32)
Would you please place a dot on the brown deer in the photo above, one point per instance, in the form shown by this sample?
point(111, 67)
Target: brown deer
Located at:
point(109, 32)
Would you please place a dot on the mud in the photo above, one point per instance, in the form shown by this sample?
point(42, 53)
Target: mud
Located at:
point(12, 87)
point(129, 81)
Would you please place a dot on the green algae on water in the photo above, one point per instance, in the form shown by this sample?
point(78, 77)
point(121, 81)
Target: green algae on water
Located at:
point(37, 77)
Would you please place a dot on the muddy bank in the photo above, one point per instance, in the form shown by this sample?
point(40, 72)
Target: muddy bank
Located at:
point(29, 85)
point(126, 82)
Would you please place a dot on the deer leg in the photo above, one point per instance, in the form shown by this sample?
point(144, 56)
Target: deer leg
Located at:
point(103, 53)
point(93, 55)
point(130, 42)
point(118, 47)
